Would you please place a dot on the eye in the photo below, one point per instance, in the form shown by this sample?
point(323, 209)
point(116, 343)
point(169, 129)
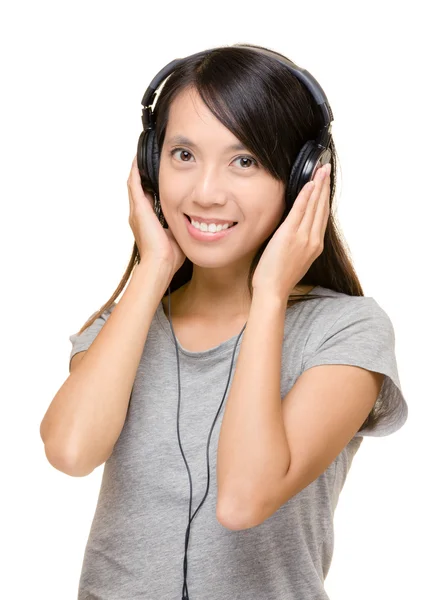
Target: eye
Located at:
point(183, 151)
point(247, 158)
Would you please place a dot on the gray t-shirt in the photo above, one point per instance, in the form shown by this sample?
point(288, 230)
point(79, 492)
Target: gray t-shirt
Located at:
point(136, 544)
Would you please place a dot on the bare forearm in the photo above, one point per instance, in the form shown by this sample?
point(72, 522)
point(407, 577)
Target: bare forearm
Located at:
point(253, 452)
point(87, 414)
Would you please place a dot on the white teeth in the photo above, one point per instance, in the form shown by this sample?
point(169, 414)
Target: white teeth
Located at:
point(212, 228)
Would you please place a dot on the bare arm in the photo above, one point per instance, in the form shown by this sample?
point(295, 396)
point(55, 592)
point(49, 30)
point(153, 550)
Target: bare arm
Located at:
point(87, 414)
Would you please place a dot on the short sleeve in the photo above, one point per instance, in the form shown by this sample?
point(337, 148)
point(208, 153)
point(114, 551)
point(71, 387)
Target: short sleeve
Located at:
point(83, 341)
point(363, 335)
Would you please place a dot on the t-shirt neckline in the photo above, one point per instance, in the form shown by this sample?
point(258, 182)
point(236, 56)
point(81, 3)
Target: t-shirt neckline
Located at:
point(222, 348)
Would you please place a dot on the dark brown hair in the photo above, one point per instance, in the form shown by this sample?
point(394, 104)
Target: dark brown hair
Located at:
point(273, 114)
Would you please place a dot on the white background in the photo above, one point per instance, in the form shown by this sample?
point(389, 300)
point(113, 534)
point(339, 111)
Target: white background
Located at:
point(73, 75)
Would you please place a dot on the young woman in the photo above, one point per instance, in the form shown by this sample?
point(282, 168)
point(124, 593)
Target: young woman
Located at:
point(230, 387)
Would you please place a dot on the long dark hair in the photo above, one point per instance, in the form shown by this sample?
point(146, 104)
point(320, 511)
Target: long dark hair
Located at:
point(272, 113)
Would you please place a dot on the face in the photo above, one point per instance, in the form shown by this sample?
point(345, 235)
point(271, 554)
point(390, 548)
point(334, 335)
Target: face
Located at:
point(204, 176)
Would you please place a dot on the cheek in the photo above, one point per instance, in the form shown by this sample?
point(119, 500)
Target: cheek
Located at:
point(269, 211)
point(163, 178)
point(171, 186)
point(278, 206)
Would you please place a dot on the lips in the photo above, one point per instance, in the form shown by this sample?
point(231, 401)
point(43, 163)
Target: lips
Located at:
point(206, 236)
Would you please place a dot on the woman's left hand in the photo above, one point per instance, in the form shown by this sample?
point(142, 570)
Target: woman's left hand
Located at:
point(297, 242)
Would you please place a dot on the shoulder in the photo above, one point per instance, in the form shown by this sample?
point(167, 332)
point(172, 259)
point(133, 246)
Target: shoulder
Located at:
point(329, 302)
point(357, 331)
point(335, 312)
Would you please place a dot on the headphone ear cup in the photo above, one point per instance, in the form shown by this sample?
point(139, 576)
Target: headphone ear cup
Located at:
point(155, 161)
point(141, 153)
point(298, 168)
point(152, 159)
point(148, 157)
point(303, 170)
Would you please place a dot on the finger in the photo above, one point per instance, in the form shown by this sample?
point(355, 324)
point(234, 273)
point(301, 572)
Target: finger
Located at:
point(133, 166)
point(312, 205)
point(129, 184)
point(322, 213)
point(135, 177)
point(297, 211)
point(134, 180)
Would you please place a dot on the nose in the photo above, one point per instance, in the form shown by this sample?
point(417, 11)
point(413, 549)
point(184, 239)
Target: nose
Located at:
point(209, 187)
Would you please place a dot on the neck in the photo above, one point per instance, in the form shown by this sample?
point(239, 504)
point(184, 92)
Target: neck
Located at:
point(211, 302)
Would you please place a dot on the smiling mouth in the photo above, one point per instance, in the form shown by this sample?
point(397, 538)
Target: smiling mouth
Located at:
point(229, 227)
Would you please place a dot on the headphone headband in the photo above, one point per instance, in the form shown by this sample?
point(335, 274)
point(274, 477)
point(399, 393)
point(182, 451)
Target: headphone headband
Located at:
point(304, 76)
point(313, 154)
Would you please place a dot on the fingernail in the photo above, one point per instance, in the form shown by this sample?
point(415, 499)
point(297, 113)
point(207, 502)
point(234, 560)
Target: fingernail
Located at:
point(327, 168)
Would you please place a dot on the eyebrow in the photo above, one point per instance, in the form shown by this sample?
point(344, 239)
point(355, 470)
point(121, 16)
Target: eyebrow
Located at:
point(181, 139)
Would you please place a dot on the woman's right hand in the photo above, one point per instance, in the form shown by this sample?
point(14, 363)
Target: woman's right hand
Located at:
point(155, 244)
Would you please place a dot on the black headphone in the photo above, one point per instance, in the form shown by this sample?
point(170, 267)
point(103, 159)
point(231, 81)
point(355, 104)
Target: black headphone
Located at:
point(312, 156)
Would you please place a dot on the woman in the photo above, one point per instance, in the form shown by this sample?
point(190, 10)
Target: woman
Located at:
point(205, 364)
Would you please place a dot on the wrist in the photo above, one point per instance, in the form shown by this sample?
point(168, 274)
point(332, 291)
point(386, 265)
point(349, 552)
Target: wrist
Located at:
point(269, 300)
point(159, 271)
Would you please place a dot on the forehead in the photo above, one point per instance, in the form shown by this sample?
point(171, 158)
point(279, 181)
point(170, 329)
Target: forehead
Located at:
point(190, 117)
point(188, 105)
point(191, 122)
